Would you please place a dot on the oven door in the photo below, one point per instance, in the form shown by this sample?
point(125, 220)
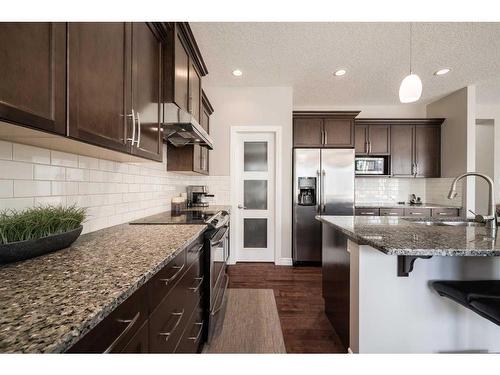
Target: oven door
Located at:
point(218, 253)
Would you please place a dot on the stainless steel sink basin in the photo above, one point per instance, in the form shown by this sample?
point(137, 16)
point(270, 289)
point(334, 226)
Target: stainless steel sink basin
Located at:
point(448, 223)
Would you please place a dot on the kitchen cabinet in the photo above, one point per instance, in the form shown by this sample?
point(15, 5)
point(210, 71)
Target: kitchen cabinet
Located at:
point(402, 139)
point(427, 151)
point(445, 212)
point(424, 212)
point(114, 86)
point(165, 315)
point(392, 212)
point(367, 211)
point(330, 129)
point(33, 66)
point(372, 139)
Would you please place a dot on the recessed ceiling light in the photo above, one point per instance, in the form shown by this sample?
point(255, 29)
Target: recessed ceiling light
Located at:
point(442, 72)
point(340, 72)
point(237, 73)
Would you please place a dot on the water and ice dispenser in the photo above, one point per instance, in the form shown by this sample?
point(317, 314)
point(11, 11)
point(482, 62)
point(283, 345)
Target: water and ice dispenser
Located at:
point(307, 191)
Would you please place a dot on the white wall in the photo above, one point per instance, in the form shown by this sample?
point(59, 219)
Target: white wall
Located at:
point(254, 106)
point(458, 137)
point(484, 162)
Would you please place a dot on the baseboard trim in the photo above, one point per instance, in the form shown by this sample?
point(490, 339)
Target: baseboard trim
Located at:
point(284, 262)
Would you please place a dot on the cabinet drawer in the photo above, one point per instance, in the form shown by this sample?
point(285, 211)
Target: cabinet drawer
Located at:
point(139, 343)
point(440, 212)
point(192, 336)
point(117, 330)
point(194, 251)
point(163, 282)
point(392, 211)
point(426, 212)
point(170, 318)
point(367, 212)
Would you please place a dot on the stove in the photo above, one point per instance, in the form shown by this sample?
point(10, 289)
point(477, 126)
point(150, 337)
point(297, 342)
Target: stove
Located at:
point(213, 218)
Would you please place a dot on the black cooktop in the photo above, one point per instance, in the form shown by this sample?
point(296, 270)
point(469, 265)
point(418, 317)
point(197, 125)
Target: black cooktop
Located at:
point(172, 217)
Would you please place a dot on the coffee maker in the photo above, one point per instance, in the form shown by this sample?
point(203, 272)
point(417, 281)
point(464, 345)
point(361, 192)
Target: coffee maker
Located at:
point(196, 196)
point(307, 191)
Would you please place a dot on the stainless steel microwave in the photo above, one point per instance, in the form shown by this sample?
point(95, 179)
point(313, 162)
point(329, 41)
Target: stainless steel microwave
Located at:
point(369, 166)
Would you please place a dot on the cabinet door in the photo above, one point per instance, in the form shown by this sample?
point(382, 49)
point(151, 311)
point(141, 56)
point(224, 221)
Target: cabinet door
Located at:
point(307, 132)
point(99, 83)
point(361, 139)
point(33, 66)
point(338, 133)
point(379, 138)
point(402, 150)
point(181, 74)
point(194, 92)
point(427, 151)
point(146, 65)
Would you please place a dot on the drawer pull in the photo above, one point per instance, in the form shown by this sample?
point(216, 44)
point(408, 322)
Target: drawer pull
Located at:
point(179, 270)
point(198, 335)
point(197, 250)
point(416, 213)
point(130, 323)
point(197, 287)
point(367, 213)
point(443, 213)
point(179, 316)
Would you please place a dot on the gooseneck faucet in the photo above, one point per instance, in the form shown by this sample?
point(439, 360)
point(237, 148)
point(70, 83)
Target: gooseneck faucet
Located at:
point(491, 218)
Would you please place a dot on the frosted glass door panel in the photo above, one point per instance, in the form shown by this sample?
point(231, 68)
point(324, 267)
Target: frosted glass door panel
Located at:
point(255, 194)
point(255, 156)
point(255, 233)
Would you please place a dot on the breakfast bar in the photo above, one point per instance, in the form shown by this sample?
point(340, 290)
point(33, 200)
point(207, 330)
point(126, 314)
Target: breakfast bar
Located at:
point(375, 307)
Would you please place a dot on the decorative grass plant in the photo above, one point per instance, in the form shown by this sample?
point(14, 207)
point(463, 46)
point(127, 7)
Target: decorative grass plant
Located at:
point(38, 222)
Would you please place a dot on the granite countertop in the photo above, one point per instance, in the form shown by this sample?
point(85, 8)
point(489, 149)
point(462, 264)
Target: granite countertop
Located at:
point(48, 303)
point(405, 205)
point(400, 236)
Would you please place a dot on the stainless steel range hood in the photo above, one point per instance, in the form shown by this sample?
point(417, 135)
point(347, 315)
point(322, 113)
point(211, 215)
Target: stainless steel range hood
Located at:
point(180, 128)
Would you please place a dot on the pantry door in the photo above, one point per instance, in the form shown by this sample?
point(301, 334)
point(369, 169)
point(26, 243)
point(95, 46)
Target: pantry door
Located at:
point(255, 196)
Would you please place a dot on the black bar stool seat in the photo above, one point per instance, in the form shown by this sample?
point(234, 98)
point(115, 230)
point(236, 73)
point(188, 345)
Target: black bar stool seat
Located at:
point(480, 296)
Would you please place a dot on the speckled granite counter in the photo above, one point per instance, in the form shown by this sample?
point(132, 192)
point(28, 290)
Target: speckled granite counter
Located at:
point(398, 236)
point(406, 205)
point(47, 303)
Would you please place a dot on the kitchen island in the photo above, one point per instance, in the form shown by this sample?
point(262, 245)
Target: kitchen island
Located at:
point(376, 283)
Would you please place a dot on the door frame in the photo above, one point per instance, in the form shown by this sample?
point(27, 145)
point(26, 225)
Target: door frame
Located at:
point(278, 204)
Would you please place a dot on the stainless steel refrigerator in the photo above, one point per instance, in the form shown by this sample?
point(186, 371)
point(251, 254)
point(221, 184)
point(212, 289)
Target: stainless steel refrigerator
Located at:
point(323, 185)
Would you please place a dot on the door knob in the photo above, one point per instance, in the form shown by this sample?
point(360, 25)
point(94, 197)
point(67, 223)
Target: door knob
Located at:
point(240, 206)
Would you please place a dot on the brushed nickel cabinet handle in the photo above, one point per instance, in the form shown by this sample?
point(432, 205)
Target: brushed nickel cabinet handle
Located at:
point(366, 147)
point(367, 213)
point(130, 323)
point(179, 316)
point(198, 335)
point(370, 145)
point(326, 138)
point(132, 140)
point(174, 276)
point(138, 129)
point(194, 289)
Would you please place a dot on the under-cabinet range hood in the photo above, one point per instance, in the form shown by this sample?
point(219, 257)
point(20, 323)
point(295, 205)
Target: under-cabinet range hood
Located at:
point(180, 128)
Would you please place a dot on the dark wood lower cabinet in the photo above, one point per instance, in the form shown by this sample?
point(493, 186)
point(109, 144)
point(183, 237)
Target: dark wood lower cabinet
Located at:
point(163, 316)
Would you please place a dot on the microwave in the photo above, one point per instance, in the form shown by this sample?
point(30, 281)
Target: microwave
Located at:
point(369, 166)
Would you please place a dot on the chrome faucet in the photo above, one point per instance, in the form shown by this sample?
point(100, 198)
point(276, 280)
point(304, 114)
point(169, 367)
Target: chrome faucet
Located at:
point(491, 218)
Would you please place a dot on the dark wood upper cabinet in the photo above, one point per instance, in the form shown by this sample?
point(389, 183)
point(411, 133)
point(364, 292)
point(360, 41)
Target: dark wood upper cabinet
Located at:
point(428, 151)
point(372, 139)
point(99, 59)
point(402, 150)
point(146, 90)
point(201, 154)
point(33, 66)
point(308, 132)
point(338, 133)
point(194, 93)
point(180, 60)
point(328, 129)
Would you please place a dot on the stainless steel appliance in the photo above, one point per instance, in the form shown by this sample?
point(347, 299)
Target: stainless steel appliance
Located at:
point(217, 243)
point(196, 196)
point(323, 185)
point(369, 165)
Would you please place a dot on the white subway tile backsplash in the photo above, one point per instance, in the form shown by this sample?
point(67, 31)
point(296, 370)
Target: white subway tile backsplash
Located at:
point(64, 159)
point(51, 201)
point(64, 188)
point(31, 154)
point(24, 188)
point(88, 162)
point(76, 174)
point(5, 150)
point(6, 188)
point(16, 203)
point(13, 170)
point(48, 172)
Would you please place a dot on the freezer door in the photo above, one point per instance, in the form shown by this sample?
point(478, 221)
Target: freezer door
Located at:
point(337, 169)
point(306, 229)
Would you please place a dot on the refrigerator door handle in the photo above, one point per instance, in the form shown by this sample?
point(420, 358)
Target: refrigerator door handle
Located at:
point(318, 192)
point(323, 174)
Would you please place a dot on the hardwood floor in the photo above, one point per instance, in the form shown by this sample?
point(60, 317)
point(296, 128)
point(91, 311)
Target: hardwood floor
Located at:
point(297, 291)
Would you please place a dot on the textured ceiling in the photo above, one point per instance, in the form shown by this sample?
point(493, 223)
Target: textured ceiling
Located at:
point(375, 55)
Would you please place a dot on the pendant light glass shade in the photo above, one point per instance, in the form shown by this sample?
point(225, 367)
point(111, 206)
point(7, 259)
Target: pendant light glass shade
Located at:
point(410, 89)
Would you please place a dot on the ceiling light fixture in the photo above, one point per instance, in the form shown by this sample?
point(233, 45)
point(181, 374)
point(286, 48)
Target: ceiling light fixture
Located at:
point(442, 72)
point(237, 73)
point(411, 86)
point(340, 72)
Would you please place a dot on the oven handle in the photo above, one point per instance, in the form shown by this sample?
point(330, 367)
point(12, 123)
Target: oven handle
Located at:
point(217, 309)
point(222, 237)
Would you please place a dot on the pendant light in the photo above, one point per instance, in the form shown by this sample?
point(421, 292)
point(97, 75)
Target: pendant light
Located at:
point(411, 86)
